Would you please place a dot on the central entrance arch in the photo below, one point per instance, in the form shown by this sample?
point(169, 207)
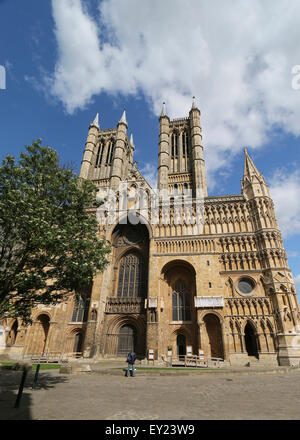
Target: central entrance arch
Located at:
point(126, 340)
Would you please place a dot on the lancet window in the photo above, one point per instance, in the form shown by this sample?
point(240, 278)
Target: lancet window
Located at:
point(181, 307)
point(131, 281)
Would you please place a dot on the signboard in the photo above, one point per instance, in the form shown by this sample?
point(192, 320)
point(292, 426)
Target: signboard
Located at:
point(189, 350)
point(201, 354)
point(2, 338)
point(152, 303)
point(151, 355)
point(169, 351)
point(209, 301)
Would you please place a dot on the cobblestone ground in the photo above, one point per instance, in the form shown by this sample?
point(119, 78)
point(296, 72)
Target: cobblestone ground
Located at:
point(91, 396)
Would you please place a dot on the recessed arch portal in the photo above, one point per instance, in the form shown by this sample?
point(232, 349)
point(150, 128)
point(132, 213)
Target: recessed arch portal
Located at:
point(251, 340)
point(179, 288)
point(12, 335)
point(213, 340)
point(127, 340)
point(181, 345)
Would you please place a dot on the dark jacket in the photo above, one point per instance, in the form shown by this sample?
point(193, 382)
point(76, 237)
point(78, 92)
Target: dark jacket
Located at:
point(131, 357)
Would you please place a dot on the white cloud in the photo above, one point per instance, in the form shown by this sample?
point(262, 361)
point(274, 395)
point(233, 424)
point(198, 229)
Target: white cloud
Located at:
point(297, 281)
point(285, 191)
point(149, 171)
point(293, 254)
point(235, 57)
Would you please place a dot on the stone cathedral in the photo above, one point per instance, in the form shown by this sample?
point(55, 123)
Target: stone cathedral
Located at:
point(171, 288)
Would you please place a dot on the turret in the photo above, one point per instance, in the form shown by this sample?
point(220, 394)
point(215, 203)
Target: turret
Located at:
point(198, 164)
point(253, 183)
point(164, 149)
point(90, 149)
point(119, 153)
point(131, 150)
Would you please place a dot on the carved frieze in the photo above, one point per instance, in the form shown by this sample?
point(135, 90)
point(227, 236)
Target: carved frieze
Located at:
point(124, 305)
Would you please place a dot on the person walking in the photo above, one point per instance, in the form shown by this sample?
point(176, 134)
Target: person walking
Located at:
point(131, 360)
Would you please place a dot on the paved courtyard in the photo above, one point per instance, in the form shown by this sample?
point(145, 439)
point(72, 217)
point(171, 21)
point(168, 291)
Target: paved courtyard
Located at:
point(94, 396)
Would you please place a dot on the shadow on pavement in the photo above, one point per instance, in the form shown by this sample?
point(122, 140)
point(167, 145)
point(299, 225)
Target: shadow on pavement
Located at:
point(9, 387)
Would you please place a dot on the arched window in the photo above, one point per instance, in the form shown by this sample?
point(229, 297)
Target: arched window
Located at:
point(132, 282)
point(181, 308)
point(110, 150)
point(174, 144)
point(99, 157)
point(185, 144)
point(81, 308)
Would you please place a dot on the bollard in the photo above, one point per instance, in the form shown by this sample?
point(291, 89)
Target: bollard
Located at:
point(19, 396)
point(36, 376)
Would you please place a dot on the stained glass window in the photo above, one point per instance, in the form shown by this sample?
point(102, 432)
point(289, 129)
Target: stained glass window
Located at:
point(131, 282)
point(81, 308)
point(181, 310)
point(246, 285)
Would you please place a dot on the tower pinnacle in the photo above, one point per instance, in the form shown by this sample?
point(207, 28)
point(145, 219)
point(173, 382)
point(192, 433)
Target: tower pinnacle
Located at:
point(163, 110)
point(95, 123)
point(253, 182)
point(249, 167)
point(131, 140)
point(123, 119)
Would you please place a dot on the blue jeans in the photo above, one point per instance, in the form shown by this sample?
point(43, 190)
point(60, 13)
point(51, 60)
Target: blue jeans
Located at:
point(128, 369)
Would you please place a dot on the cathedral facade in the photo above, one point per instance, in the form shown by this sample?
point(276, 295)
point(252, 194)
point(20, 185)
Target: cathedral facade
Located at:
point(188, 273)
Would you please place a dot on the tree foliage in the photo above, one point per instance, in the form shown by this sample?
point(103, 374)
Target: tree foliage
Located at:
point(48, 240)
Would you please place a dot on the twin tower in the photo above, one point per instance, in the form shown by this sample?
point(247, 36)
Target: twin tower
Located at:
point(108, 155)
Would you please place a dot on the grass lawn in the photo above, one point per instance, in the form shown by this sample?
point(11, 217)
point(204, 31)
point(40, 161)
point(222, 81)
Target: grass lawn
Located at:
point(168, 368)
point(42, 367)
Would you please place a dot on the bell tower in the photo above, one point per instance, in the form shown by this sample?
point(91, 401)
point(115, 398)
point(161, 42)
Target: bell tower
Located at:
point(180, 158)
point(108, 154)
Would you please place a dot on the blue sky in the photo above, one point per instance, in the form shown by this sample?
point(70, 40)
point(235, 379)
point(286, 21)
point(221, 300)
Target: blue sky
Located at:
point(66, 60)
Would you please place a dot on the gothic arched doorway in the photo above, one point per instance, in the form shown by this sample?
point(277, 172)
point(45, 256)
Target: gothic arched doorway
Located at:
point(251, 340)
point(126, 340)
point(214, 340)
point(78, 343)
point(181, 345)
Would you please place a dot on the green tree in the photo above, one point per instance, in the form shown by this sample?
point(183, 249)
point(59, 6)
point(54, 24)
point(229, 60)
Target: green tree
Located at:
point(48, 239)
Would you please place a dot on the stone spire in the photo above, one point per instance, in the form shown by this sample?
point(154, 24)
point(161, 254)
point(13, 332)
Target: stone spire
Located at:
point(95, 123)
point(253, 182)
point(123, 119)
point(194, 102)
point(249, 167)
point(163, 110)
point(131, 141)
